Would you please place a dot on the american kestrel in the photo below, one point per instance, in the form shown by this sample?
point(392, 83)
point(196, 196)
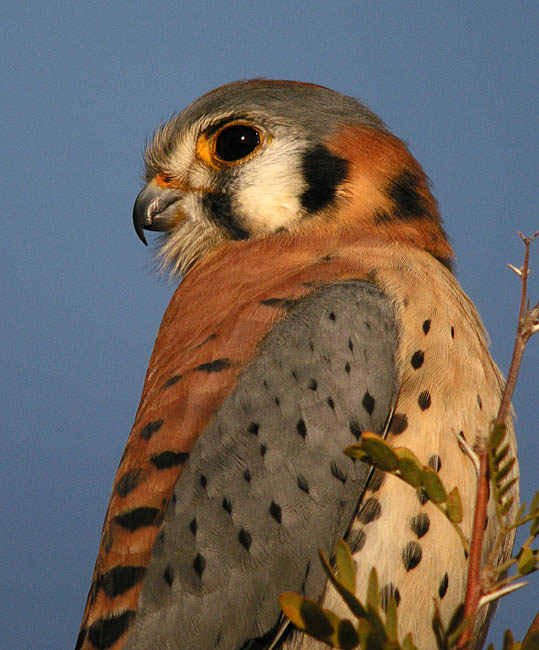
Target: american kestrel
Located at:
point(317, 302)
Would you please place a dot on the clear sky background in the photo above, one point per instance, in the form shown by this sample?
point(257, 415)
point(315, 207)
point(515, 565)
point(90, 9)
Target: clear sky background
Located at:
point(83, 85)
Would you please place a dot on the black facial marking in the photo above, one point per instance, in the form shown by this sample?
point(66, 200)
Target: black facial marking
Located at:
point(409, 204)
point(214, 366)
point(245, 539)
point(137, 518)
point(106, 631)
point(444, 583)
point(120, 579)
point(356, 540)
point(275, 511)
point(150, 429)
point(219, 207)
point(167, 459)
point(322, 172)
point(170, 382)
point(417, 359)
point(369, 511)
point(420, 524)
point(424, 400)
point(128, 482)
point(368, 402)
point(411, 555)
point(398, 424)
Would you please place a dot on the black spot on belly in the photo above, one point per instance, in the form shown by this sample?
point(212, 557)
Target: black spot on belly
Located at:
point(411, 555)
point(220, 210)
point(444, 583)
point(106, 631)
point(385, 594)
point(369, 511)
point(426, 326)
point(420, 524)
point(398, 424)
point(417, 359)
point(356, 540)
point(245, 539)
point(275, 511)
point(424, 400)
point(323, 172)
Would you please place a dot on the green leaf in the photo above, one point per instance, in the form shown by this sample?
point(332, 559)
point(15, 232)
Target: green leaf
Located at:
point(534, 527)
point(501, 455)
point(496, 436)
point(320, 623)
point(391, 619)
point(456, 620)
point(507, 506)
point(534, 505)
point(408, 642)
point(526, 561)
point(349, 598)
point(503, 491)
point(373, 595)
point(433, 486)
point(520, 512)
point(410, 469)
point(290, 604)
point(374, 450)
point(346, 635)
point(453, 506)
point(508, 640)
point(346, 570)
point(502, 473)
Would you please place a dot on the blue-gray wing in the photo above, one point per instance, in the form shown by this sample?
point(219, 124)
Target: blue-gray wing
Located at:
point(267, 483)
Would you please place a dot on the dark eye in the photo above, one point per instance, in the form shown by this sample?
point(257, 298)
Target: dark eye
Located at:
point(236, 142)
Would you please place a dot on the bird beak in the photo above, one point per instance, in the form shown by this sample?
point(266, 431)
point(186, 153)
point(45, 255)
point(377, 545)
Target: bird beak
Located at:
point(155, 209)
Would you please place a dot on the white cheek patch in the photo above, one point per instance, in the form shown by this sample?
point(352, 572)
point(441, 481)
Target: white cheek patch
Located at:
point(267, 191)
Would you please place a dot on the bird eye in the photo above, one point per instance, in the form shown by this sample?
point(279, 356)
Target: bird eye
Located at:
point(236, 141)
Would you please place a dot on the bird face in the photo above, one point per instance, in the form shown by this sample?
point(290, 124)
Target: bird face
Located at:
point(260, 158)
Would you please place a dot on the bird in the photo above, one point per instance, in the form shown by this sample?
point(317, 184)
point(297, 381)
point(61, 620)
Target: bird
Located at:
point(316, 301)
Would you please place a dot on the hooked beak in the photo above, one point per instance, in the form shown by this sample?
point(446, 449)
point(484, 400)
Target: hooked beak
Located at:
point(154, 209)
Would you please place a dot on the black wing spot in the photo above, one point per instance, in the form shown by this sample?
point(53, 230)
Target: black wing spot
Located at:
point(170, 382)
point(128, 482)
point(347, 367)
point(106, 631)
point(137, 518)
point(203, 480)
point(337, 472)
point(275, 511)
point(193, 526)
point(355, 429)
point(313, 384)
point(253, 428)
point(301, 428)
point(151, 428)
point(247, 475)
point(168, 575)
point(227, 505)
point(302, 483)
point(167, 459)
point(368, 402)
point(119, 580)
point(331, 403)
point(245, 539)
point(398, 424)
point(214, 366)
point(199, 564)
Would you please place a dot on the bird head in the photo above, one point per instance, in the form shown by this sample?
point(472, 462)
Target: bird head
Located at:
point(261, 158)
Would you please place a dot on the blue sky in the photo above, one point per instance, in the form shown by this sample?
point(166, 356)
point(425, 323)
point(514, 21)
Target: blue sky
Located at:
point(83, 85)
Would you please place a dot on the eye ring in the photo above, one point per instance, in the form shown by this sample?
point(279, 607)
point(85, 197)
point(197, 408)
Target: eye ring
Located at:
point(236, 142)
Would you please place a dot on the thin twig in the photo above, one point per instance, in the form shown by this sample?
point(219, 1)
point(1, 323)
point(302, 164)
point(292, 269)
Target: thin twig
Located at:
point(528, 324)
point(473, 584)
